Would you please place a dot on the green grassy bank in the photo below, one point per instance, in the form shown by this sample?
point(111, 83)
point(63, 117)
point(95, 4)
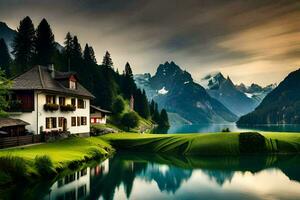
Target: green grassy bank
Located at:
point(50, 159)
point(68, 154)
point(201, 144)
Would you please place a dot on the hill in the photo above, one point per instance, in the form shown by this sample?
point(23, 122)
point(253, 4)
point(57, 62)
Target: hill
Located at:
point(281, 106)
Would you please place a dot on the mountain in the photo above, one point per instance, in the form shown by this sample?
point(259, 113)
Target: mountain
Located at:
point(256, 92)
point(281, 106)
point(8, 35)
point(174, 89)
point(226, 92)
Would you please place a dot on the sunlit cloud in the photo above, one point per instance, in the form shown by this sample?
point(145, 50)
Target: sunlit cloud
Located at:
point(200, 35)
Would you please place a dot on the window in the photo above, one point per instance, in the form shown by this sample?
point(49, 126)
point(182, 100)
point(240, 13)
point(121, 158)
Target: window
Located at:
point(72, 85)
point(78, 121)
point(83, 120)
point(53, 122)
point(62, 101)
point(80, 103)
point(50, 99)
point(73, 102)
point(48, 123)
point(60, 121)
point(73, 121)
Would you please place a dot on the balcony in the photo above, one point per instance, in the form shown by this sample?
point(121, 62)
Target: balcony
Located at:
point(16, 106)
point(67, 108)
point(51, 107)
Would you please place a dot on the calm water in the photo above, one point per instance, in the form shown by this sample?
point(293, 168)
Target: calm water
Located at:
point(205, 128)
point(131, 176)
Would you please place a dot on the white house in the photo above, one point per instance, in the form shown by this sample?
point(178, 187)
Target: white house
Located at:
point(51, 101)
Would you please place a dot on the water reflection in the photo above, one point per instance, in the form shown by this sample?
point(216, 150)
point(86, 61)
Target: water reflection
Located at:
point(128, 176)
point(209, 128)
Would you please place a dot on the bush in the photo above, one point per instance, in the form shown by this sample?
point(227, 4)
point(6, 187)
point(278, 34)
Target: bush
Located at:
point(118, 105)
point(44, 165)
point(130, 120)
point(226, 130)
point(51, 107)
point(67, 108)
point(252, 142)
point(13, 168)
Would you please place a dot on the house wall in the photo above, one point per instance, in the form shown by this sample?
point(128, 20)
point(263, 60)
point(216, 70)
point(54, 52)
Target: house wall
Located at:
point(30, 117)
point(98, 120)
point(37, 118)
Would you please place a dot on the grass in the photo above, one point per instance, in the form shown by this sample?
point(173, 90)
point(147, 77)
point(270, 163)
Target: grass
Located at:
point(61, 152)
point(200, 144)
point(51, 158)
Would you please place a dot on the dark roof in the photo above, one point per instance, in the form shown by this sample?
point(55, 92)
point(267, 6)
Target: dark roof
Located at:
point(64, 75)
point(39, 78)
point(7, 122)
point(99, 109)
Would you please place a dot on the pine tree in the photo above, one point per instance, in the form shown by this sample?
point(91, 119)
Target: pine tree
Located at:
point(110, 87)
point(156, 115)
point(152, 108)
point(68, 49)
point(76, 52)
point(44, 44)
point(128, 84)
point(145, 106)
point(128, 70)
point(5, 59)
point(92, 55)
point(89, 55)
point(107, 61)
point(163, 119)
point(23, 45)
point(141, 105)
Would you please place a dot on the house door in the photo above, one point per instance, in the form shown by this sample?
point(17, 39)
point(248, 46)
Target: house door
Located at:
point(65, 124)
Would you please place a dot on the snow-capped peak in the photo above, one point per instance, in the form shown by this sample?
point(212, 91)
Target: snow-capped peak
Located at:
point(163, 91)
point(211, 80)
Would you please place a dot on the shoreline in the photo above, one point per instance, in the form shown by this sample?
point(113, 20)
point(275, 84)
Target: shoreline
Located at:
point(73, 153)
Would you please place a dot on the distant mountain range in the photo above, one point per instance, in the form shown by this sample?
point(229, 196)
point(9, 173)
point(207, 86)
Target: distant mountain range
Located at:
point(240, 99)
point(215, 99)
point(8, 35)
point(174, 89)
point(281, 106)
point(227, 93)
point(256, 92)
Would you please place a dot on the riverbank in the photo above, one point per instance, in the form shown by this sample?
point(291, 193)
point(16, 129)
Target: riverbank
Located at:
point(202, 144)
point(39, 161)
point(56, 157)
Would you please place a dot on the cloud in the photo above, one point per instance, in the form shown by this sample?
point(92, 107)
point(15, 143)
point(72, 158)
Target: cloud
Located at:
point(200, 35)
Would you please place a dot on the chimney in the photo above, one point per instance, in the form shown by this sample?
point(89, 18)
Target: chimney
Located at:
point(51, 70)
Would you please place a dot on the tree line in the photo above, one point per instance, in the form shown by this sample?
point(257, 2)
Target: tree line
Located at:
point(36, 46)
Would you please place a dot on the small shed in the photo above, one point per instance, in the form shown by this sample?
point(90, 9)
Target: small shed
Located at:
point(98, 115)
point(12, 127)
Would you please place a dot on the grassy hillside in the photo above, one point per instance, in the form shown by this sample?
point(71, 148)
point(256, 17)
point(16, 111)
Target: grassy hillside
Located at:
point(61, 152)
point(199, 144)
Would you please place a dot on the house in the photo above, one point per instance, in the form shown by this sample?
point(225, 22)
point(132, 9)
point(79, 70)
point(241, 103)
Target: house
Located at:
point(50, 101)
point(12, 127)
point(98, 115)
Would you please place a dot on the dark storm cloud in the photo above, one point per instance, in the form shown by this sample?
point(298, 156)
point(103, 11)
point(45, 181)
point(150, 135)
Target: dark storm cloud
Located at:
point(201, 35)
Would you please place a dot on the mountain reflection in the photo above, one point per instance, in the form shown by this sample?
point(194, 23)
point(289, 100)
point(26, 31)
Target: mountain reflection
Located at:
point(123, 171)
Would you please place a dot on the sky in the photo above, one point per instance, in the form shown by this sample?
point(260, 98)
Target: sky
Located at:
point(248, 40)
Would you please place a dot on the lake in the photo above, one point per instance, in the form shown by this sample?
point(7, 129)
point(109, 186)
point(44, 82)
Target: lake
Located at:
point(208, 128)
point(141, 176)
